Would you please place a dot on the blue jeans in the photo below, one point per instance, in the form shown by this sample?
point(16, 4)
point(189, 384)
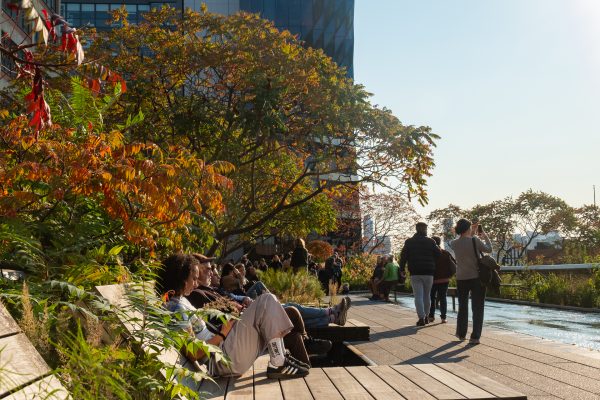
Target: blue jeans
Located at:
point(256, 290)
point(421, 286)
point(314, 317)
point(439, 291)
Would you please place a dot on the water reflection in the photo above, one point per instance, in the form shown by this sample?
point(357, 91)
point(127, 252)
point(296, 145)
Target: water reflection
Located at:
point(570, 327)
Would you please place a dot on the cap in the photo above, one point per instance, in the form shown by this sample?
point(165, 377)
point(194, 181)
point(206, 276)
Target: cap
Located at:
point(202, 258)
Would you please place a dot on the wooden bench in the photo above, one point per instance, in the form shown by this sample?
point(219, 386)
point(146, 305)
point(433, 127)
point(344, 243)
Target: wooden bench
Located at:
point(24, 374)
point(353, 331)
point(117, 295)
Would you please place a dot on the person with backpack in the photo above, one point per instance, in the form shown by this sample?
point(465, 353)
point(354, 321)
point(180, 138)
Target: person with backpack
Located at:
point(420, 253)
point(466, 250)
point(445, 268)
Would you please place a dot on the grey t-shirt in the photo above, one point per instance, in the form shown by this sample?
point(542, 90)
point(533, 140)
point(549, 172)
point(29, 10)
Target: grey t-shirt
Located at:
point(466, 261)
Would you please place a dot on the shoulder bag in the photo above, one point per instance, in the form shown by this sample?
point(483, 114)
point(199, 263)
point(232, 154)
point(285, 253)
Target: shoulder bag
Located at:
point(488, 269)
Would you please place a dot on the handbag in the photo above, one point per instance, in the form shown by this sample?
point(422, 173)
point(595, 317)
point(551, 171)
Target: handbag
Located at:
point(451, 264)
point(488, 269)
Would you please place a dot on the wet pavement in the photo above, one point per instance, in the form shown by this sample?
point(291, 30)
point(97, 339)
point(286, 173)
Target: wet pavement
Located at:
point(571, 327)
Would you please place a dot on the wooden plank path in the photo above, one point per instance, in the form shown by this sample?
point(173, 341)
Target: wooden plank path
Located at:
point(381, 382)
point(539, 368)
point(24, 375)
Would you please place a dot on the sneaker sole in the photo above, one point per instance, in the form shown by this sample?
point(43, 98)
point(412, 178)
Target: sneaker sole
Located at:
point(277, 375)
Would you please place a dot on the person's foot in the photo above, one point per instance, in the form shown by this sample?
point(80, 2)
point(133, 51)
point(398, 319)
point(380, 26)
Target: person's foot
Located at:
point(317, 346)
point(443, 320)
point(289, 369)
point(294, 360)
point(461, 338)
point(421, 322)
point(341, 311)
point(473, 341)
point(430, 319)
point(426, 320)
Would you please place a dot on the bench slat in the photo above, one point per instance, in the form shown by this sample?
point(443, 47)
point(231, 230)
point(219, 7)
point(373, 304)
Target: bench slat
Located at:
point(8, 326)
point(401, 384)
point(463, 387)
point(345, 383)
point(376, 386)
point(429, 384)
point(48, 388)
point(21, 362)
point(497, 389)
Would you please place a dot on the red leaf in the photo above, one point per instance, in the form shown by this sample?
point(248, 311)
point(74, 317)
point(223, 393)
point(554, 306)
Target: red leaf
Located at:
point(90, 126)
point(35, 121)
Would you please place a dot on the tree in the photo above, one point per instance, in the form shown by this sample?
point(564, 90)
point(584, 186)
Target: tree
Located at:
point(443, 220)
point(293, 126)
point(319, 250)
point(386, 215)
point(587, 231)
point(528, 216)
point(538, 213)
point(497, 220)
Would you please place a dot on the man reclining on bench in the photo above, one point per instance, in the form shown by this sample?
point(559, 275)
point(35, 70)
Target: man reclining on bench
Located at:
point(262, 325)
point(204, 296)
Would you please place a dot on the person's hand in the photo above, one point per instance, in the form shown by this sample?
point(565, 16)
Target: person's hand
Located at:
point(226, 328)
point(247, 301)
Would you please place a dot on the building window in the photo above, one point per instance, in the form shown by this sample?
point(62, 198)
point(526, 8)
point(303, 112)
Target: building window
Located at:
point(7, 64)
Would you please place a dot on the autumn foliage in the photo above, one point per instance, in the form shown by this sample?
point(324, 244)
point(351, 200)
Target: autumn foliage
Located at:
point(152, 191)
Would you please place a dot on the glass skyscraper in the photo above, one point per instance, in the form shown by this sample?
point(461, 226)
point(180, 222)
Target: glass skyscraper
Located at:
point(323, 24)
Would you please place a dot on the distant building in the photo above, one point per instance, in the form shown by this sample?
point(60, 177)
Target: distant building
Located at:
point(373, 243)
point(16, 30)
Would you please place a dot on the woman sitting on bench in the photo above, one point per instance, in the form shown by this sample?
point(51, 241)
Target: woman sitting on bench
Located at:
point(262, 325)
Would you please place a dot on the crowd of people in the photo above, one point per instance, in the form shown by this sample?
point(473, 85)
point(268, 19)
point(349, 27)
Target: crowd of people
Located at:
point(191, 282)
point(431, 269)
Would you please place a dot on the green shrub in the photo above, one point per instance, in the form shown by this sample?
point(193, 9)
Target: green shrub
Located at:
point(301, 287)
point(358, 270)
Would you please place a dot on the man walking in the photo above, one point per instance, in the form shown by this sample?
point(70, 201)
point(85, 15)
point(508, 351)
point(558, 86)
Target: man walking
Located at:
point(420, 252)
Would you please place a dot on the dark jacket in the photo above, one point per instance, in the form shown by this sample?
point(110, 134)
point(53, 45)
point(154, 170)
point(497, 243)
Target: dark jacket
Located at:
point(299, 258)
point(420, 252)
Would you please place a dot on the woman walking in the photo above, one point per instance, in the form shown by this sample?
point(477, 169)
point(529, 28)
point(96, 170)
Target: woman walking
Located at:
point(466, 249)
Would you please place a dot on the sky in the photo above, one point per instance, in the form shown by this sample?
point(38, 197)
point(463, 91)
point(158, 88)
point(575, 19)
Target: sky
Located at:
point(511, 86)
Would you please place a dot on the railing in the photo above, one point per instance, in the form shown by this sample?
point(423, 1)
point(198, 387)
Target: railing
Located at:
point(549, 268)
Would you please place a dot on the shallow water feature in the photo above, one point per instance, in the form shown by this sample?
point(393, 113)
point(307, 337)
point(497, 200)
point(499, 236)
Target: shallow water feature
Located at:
point(572, 327)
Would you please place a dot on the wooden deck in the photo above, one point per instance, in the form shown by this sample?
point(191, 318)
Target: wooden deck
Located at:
point(540, 368)
point(382, 382)
point(24, 375)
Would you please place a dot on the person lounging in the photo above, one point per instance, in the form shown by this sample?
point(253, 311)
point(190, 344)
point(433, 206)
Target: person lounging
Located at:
point(263, 325)
point(297, 341)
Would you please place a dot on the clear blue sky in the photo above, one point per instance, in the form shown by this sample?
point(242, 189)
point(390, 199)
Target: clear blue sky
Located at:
point(511, 86)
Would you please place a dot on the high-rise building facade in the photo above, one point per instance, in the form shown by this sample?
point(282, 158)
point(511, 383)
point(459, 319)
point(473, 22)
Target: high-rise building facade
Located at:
point(16, 29)
point(323, 24)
